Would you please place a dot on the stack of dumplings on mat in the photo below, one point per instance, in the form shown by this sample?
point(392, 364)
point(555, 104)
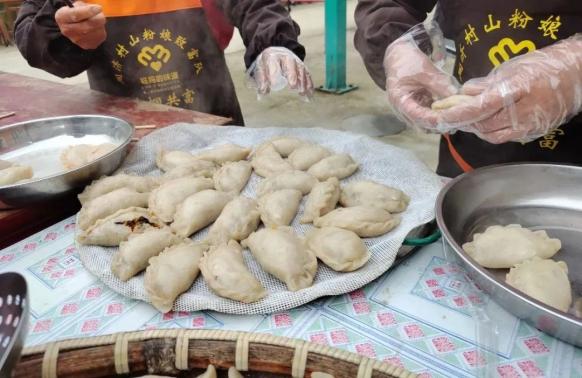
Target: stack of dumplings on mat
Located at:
point(527, 254)
point(151, 219)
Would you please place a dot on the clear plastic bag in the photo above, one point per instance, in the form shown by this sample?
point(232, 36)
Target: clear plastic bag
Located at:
point(277, 68)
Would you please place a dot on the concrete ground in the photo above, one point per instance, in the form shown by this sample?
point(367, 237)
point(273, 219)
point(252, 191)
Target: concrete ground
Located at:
point(364, 110)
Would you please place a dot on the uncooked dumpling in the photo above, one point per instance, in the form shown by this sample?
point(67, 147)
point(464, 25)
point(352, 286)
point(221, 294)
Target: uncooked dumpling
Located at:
point(206, 169)
point(5, 164)
point(506, 246)
point(342, 250)
point(224, 154)
point(78, 155)
point(114, 229)
point(322, 199)
point(225, 272)
point(233, 373)
point(450, 101)
point(107, 184)
point(198, 211)
point(133, 255)
point(306, 156)
point(369, 193)
point(14, 174)
point(365, 221)
point(169, 160)
point(268, 162)
point(172, 272)
point(340, 166)
point(233, 177)
point(286, 145)
point(107, 204)
point(164, 199)
point(282, 253)
point(209, 373)
point(280, 207)
point(299, 180)
point(238, 219)
point(545, 280)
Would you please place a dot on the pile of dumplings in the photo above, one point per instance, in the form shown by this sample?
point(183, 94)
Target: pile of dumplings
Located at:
point(528, 255)
point(151, 219)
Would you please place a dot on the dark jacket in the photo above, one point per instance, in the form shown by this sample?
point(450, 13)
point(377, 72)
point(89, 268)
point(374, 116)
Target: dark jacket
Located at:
point(485, 33)
point(158, 50)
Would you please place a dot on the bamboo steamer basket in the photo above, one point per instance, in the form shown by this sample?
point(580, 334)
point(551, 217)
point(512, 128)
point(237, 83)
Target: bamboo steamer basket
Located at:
point(187, 353)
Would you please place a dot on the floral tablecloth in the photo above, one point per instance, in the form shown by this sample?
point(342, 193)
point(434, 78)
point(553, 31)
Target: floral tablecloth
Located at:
point(418, 315)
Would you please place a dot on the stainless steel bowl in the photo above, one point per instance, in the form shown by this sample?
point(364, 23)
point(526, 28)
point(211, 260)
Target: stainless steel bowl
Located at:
point(538, 196)
point(39, 143)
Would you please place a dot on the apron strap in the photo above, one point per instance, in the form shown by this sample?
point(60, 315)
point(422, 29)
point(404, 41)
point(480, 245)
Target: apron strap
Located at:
point(466, 167)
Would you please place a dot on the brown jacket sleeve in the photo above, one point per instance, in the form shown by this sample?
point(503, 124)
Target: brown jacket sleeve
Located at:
point(379, 23)
point(40, 41)
point(262, 24)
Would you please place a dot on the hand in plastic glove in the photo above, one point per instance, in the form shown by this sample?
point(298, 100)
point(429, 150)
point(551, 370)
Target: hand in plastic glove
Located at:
point(413, 80)
point(84, 24)
point(277, 67)
point(525, 97)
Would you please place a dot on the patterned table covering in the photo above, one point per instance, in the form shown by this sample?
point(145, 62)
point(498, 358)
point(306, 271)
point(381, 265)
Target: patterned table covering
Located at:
point(420, 315)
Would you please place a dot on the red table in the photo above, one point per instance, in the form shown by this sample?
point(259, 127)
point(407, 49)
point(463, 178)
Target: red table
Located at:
point(31, 98)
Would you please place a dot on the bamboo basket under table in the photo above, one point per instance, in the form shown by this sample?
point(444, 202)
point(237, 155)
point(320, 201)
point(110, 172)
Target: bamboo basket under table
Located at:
point(187, 353)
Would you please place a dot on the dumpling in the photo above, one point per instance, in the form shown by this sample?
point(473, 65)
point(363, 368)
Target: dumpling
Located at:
point(5, 164)
point(224, 154)
point(172, 272)
point(133, 255)
point(365, 221)
point(282, 253)
point(306, 156)
point(233, 373)
point(238, 219)
point(233, 177)
point(78, 155)
point(206, 169)
point(506, 246)
point(450, 101)
point(545, 280)
point(114, 229)
point(198, 211)
point(340, 166)
point(286, 145)
point(164, 199)
point(369, 193)
point(169, 160)
point(209, 373)
point(299, 180)
point(280, 207)
point(107, 204)
point(13, 174)
point(322, 199)
point(318, 374)
point(341, 250)
point(225, 272)
point(267, 161)
point(107, 184)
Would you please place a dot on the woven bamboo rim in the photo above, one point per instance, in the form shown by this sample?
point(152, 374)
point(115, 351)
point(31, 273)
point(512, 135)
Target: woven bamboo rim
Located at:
point(168, 352)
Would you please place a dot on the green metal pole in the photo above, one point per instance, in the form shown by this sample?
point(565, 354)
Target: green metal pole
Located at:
point(335, 48)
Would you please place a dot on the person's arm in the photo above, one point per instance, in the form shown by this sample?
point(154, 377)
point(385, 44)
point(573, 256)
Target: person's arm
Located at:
point(379, 23)
point(263, 24)
point(42, 43)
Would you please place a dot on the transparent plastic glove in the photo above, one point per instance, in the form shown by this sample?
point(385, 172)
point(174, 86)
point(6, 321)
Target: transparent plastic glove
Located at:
point(525, 97)
point(276, 68)
point(414, 80)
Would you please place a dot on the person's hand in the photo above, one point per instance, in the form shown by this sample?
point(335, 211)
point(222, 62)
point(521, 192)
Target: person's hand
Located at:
point(84, 24)
point(525, 97)
point(277, 67)
point(413, 81)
